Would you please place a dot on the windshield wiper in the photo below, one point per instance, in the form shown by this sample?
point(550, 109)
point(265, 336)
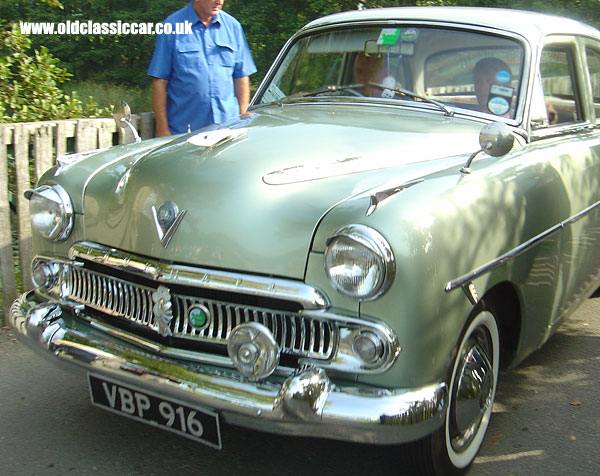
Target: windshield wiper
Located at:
point(338, 87)
point(325, 89)
point(405, 92)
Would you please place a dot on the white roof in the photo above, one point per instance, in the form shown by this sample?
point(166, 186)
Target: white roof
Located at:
point(531, 25)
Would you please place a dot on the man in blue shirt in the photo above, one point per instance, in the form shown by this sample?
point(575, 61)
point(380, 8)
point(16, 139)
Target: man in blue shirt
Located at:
point(200, 78)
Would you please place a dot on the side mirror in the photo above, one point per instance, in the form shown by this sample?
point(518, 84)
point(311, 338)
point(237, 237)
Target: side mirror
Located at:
point(496, 139)
point(122, 116)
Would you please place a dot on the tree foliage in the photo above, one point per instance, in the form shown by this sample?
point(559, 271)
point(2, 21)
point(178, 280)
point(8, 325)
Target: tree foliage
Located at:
point(269, 23)
point(123, 59)
point(53, 3)
point(29, 83)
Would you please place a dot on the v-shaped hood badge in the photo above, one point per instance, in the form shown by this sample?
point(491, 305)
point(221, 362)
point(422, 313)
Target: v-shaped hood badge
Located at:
point(167, 219)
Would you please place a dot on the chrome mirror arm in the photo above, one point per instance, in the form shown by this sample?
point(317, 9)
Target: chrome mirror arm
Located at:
point(495, 139)
point(466, 169)
point(134, 132)
point(122, 116)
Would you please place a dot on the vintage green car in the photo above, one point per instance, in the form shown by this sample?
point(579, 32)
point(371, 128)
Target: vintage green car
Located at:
point(411, 203)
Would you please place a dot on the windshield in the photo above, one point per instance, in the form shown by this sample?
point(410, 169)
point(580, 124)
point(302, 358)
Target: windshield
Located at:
point(457, 68)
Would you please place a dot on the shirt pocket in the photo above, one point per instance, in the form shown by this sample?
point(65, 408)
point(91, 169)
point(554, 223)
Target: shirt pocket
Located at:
point(225, 54)
point(189, 55)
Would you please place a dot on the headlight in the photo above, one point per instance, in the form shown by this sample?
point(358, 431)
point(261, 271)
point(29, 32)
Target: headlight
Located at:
point(51, 212)
point(359, 262)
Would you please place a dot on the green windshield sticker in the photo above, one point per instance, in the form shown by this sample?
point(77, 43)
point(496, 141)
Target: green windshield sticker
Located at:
point(389, 36)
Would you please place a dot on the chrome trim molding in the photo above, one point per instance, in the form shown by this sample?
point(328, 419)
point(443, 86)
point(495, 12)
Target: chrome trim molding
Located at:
point(306, 403)
point(307, 296)
point(471, 292)
point(382, 195)
point(311, 336)
point(166, 312)
point(314, 337)
point(466, 279)
point(165, 231)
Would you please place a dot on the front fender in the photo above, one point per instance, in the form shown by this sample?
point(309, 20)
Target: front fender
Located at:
point(444, 228)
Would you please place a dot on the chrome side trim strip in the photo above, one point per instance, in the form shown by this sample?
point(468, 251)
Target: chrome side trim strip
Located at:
point(466, 279)
point(382, 195)
point(308, 297)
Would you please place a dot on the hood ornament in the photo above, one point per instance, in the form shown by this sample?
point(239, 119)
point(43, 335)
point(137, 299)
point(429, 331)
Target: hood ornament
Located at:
point(216, 137)
point(167, 219)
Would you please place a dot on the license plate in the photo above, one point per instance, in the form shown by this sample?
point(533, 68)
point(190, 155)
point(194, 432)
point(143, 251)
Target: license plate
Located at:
point(195, 423)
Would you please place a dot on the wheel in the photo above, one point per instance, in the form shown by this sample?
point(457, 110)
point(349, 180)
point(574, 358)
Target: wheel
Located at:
point(473, 380)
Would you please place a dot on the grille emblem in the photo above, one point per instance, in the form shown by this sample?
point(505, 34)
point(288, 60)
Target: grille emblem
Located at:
point(198, 316)
point(167, 218)
point(162, 310)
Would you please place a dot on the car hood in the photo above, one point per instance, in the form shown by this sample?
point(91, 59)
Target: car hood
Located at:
point(252, 191)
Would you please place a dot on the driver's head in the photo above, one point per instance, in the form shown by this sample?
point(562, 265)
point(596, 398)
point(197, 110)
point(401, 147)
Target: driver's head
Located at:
point(366, 68)
point(485, 74)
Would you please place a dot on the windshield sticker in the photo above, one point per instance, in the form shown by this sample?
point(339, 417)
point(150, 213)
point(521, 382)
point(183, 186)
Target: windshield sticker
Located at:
point(505, 91)
point(503, 76)
point(410, 34)
point(498, 106)
point(389, 36)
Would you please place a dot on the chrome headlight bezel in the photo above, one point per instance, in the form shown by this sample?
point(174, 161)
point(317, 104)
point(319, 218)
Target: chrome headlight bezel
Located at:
point(59, 207)
point(367, 240)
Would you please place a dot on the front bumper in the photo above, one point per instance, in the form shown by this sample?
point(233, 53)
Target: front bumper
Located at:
point(306, 403)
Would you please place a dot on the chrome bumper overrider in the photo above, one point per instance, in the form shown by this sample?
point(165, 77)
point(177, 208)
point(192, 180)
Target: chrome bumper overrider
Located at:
point(307, 403)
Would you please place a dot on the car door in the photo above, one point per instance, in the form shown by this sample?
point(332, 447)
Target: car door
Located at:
point(570, 137)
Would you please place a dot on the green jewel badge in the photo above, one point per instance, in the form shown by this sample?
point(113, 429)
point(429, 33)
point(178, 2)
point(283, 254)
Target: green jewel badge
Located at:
point(198, 316)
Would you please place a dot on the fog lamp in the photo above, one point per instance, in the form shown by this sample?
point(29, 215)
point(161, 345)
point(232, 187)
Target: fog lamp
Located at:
point(44, 275)
point(368, 346)
point(253, 350)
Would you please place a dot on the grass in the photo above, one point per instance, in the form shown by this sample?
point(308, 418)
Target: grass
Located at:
point(107, 95)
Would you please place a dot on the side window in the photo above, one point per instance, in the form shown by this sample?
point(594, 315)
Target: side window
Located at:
point(557, 69)
point(593, 64)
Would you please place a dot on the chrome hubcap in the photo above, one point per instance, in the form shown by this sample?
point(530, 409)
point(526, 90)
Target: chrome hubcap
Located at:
point(473, 390)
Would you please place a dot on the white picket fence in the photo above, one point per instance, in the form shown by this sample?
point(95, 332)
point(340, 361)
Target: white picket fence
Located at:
point(27, 150)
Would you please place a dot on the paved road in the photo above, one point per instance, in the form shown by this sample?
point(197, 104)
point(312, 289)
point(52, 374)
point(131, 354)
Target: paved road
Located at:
point(546, 422)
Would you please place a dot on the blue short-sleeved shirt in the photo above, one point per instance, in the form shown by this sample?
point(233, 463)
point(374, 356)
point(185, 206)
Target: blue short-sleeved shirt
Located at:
point(200, 68)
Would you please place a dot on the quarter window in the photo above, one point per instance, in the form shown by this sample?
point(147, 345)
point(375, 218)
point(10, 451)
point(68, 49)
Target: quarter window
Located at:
point(593, 63)
point(559, 84)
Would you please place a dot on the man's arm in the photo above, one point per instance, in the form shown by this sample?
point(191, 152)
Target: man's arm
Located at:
point(242, 92)
point(159, 104)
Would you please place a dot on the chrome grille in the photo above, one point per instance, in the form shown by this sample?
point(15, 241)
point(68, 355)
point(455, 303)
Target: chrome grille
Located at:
point(296, 334)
